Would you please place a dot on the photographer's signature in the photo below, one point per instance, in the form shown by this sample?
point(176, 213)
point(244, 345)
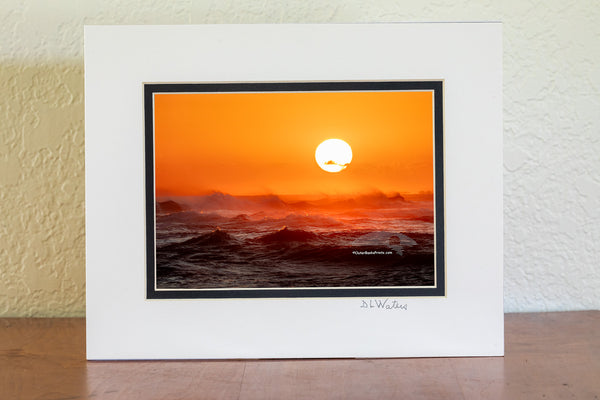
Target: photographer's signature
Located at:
point(383, 304)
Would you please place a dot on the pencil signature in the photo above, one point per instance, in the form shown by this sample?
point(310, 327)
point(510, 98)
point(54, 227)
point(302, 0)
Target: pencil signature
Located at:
point(383, 304)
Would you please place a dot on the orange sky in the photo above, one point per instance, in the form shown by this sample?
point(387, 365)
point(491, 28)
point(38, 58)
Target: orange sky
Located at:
point(264, 143)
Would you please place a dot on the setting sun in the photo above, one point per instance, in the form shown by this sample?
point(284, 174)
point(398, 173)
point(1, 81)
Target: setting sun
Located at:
point(333, 155)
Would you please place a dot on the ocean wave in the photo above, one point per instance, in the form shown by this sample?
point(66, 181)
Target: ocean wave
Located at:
point(240, 218)
point(216, 237)
point(311, 220)
point(224, 201)
point(190, 218)
point(286, 235)
point(168, 207)
point(392, 240)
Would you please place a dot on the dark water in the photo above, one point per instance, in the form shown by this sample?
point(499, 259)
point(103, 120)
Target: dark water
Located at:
point(289, 248)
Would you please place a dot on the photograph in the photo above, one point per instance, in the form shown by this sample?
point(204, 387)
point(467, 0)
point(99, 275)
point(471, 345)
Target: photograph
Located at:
point(256, 187)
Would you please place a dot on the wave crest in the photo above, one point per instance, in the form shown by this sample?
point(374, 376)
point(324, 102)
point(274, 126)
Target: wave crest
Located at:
point(286, 235)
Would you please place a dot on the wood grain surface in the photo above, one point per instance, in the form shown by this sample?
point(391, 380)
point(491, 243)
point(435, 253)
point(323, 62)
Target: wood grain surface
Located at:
point(548, 356)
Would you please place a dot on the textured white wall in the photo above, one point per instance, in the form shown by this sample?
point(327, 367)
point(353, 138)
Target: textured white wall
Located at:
point(551, 136)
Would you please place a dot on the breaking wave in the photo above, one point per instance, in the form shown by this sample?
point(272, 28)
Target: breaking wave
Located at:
point(265, 242)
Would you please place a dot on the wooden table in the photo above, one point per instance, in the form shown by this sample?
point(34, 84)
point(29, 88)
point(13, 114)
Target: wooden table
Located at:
point(548, 356)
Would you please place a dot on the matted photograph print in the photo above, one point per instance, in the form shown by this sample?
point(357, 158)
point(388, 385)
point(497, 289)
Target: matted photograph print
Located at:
point(294, 189)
